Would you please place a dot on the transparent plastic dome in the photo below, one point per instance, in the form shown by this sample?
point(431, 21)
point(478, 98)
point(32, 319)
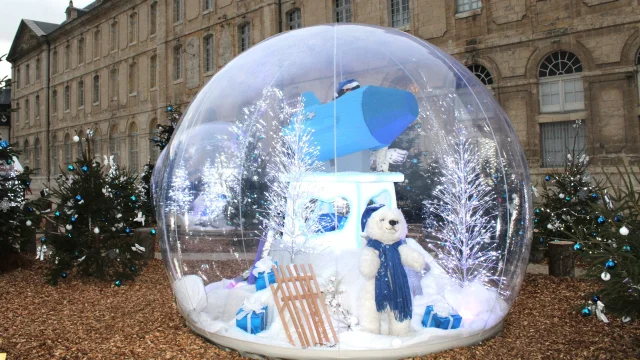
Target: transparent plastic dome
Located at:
point(297, 153)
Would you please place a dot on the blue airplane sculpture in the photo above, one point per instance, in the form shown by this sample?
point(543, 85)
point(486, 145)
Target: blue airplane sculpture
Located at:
point(368, 118)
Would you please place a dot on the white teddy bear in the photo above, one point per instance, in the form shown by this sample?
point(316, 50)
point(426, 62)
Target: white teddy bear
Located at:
point(382, 262)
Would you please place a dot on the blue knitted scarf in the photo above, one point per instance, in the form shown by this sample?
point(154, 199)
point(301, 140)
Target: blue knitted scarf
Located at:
point(392, 284)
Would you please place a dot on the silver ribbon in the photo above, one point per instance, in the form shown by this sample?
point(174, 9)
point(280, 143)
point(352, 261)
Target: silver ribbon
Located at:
point(248, 308)
point(599, 310)
point(40, 252)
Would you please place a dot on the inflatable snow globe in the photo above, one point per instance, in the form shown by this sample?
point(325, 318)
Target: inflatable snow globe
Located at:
point(344, 191)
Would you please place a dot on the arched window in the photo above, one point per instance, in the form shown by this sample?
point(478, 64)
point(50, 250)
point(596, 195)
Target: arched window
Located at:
point(96, 144)
point(153, 26)
point(37, 107)
point(343, 10)
point(208, 53)
point(153, 71)
point(294, 19)
point(154, 152)
point(113, 144)
point(133, 28)
point(177, 62)
point(481, 73)
point(54, 101)
point(67, 98)
point(67, 57)
point(133, 78)
point(55, 165)
point(133, 147)
point(113, 84)
point(37, 152)
point(96, 44)
point(400, 13)
point(244, 38)
point(81, 93)
point(81, 50)
point(26, 155)
point(67, 149)
point(560, 83)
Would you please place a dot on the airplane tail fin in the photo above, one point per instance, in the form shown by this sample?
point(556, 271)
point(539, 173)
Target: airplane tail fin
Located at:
point(309, 99)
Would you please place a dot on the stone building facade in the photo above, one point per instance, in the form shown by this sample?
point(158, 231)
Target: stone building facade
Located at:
point(115, 65)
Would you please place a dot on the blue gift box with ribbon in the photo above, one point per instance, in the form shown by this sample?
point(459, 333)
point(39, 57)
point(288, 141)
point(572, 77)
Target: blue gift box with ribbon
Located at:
point(251, 320)
point(264, 273)
point(443, 320)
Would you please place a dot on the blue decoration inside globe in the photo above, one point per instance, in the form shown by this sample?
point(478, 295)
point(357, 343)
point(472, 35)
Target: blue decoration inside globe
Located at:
point(4, 144)
point(424, 153)
point(73, 219)
point(85, 169)
point(586, 312)
point(595, 299)
point(153, 231)
point(594, 196)
point(617, 218)
point(78, 197)
point(118, 283)
point(626, 248)
point(415, 161)
point(547, 178)
point(610, 264)
point(127, 230)
point(57, 213)
point(601, 220)
point(70, 168)
point(568, 198)
point(133, 198)
point(577, 246)
point(63, 275)
point(69, 234)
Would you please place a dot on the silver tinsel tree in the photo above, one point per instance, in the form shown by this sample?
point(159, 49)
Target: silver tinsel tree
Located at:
point(464, 238)
point(180, 195)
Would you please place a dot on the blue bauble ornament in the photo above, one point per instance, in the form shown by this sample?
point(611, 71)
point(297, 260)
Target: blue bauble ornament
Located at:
point(118, 283)
point(541, 240)
point(4, 144)
point(9, 161)
point(610, 264)
point(63, 275)
point(595, 299)
point(568, 198)
point(70, 168)
point(594, 234)
point(594, 196)
point(57, 213)
point(78, 198)
point(127, 230)
point(133, 198)
point(424, 153)
point(117, 192)
point(69, 234)
point(601, 220)
point(626, 248)
point(577, 247)
point(153, 231)
point(85, 169)
point(169, 108)
point(586, 312)
point(43, 239)
point(617, 218)
point(408, 188)
point(133, 268)
point(73, 219)
point(415, 161)
point(547, 178)
point(535, 220)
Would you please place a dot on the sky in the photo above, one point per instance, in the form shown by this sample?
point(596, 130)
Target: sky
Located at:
point(41, 10)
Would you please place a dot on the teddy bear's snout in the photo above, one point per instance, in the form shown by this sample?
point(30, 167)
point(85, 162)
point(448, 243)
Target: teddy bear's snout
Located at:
point(393, 222)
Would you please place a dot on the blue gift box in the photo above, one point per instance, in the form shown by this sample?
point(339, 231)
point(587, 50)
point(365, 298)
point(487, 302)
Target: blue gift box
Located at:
point(262, 283)
point(435, 320)
point(257, 322)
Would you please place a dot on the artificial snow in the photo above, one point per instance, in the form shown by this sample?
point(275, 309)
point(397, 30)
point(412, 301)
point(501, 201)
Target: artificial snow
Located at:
point(479, 306)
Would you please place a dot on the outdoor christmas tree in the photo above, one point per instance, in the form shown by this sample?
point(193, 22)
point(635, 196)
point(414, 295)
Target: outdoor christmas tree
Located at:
point(148, 207)
point(566, 201)
point(464, 238)
point(98, 206)
point(166, 131)
point(613, 255)
point(20, 217)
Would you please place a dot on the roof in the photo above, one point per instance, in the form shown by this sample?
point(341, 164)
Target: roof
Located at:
point(41, 28)
point(92, 5)
point(5, 96)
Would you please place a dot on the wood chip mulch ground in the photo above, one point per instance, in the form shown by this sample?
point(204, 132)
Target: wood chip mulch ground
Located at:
point(91, 320)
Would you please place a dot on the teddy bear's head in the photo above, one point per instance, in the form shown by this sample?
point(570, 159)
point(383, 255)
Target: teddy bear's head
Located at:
point(386, 225)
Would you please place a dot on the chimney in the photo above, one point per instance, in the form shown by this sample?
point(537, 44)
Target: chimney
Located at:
point(72, 12)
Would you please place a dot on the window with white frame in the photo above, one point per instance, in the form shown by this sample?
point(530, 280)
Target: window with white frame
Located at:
point(244, 32)
point(400, 13)
point(294, 19)
point(561, 138)
point(343, 10)
point(177, 11)
point(80, 93)
point(467, 5)
point(177, 62)
point(67, 98)
point(481, 73)
point(37, 153)
point(208, 5)
point(561, 86)
point(133, 147)
point(208, 53)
